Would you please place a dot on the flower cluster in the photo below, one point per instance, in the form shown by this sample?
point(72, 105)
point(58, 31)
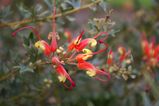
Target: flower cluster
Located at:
point(120, 66)
point(150, 51)
point(77, 53)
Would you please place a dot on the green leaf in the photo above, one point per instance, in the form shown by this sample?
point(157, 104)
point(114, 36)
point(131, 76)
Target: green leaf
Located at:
point(49, 4)
point(24, 12)
point(75, 3)
point(103, 4)
point(22, 68)
point(4, 13)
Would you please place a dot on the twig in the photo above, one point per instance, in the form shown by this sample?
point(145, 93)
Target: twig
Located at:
point(8, 75)
point(15, 71)
point(25, 21)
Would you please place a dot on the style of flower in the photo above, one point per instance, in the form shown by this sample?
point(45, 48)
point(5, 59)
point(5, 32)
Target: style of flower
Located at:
point(150, 51)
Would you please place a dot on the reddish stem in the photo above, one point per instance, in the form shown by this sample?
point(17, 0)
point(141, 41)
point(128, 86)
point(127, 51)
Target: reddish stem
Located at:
point(54, 20)
point(72, 55)
point(72, 83)
point(102, 50)
point(102, 72)
point(101, 33)
point(27, 27)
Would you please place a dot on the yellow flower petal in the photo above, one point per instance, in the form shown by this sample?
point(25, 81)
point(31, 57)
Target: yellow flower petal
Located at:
point(77, 41)
point(87, 54)
point(62, 78)
point(93, 42)
point(91, 73)
point(39, 45)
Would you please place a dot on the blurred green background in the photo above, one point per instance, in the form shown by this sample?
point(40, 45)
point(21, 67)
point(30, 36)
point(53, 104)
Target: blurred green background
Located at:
point(26, 87)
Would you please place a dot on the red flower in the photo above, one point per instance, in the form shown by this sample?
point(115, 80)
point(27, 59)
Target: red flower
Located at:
point(62, 74)
point(150, 51)
point(123, 53)
point(44, 46)
point(53, 45)
point(86, 55)
point(75, 42)
point(41, 44)
point(68, 35)
point(110, 57)
point(89, 41)
point(92, 71)
point(78, 44)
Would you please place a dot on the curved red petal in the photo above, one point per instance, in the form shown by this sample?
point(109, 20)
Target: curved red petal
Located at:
point(101, 50)
point(85, 65)
point(110, 57)
point(82, 44)
point(156, 51)
point(68, 35)
point(71, 46)
point(61, 71)
point(47, 50)
point(72, 83)
point(80, 36)
point(102, 33)
point(103, 73)
point(53, 44)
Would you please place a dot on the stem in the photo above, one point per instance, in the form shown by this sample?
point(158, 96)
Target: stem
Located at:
point(14, 71)
point(9, 75)
point(101, 50)
point(102, 33)
point(25, 21)
point(27, 27)
point(72, 55)
point(53, 19)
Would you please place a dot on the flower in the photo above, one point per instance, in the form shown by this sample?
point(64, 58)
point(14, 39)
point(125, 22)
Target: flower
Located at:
point(78, 44)
point(150, 51)
point(68, 35)
point(62, 73)
point(41, 44)
point(121, 66)
point(86, 55)
point(90, 69)
point(53, 45)
point(44, 46)
point(110, 57)
point(123, 54)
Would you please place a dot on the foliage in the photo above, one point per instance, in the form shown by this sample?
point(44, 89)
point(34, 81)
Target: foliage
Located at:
point(130, 54)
